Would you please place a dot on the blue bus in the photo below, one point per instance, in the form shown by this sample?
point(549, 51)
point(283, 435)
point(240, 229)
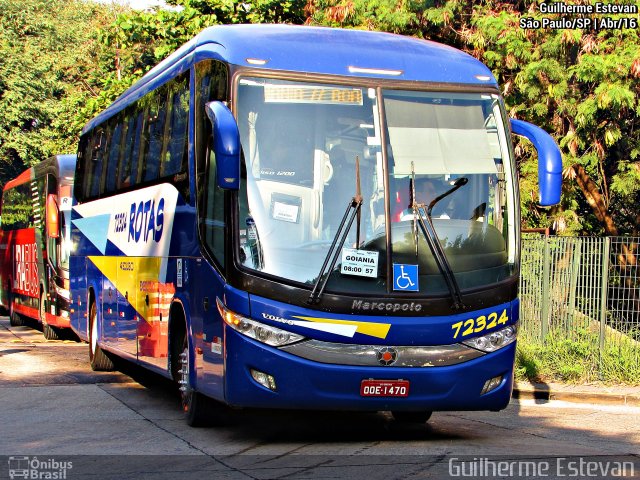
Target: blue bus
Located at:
point(306, 218)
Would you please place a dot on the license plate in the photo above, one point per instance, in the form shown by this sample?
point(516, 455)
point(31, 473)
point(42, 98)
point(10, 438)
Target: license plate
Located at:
point(384, 388)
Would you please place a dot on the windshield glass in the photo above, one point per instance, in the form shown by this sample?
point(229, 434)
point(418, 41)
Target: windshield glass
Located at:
point(303, 147)
point(438, 139)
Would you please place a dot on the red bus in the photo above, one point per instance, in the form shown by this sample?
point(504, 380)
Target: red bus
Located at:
point(35, 244)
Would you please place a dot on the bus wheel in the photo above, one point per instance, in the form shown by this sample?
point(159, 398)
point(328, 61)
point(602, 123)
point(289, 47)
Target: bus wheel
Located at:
point(411, 417)
point(196, 407)
point(49, 332)
point(98, 359)
point(15, 320)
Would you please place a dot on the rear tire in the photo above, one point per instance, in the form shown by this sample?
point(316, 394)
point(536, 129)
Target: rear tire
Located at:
point(15, 320)
point(99, 360)
point(411, 417)
point(50, 333)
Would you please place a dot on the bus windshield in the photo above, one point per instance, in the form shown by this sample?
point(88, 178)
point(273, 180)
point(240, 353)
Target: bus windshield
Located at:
point(306, 144)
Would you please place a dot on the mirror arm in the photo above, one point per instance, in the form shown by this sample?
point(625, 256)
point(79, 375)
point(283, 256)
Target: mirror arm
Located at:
point(226, 144)
point(549, 160)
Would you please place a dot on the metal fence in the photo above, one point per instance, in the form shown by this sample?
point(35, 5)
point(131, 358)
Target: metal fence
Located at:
point(582, 289)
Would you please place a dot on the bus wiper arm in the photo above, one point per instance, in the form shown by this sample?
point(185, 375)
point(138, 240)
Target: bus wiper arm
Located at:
point(332, 255)
point(430, 235)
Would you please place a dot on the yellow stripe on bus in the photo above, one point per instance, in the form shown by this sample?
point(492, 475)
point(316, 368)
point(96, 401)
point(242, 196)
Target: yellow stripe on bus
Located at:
point(378, 330)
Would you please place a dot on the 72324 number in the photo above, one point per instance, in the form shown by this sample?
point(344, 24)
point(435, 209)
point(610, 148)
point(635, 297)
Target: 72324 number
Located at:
point(468, 327)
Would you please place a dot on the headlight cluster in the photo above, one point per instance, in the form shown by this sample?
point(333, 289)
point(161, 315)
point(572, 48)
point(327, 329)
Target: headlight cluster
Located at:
point(493, 341)
point(258, 331)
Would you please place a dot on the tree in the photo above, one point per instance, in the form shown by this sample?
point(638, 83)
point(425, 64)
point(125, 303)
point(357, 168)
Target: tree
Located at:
point(144, 38)
point(47, 67)
point(580, 85)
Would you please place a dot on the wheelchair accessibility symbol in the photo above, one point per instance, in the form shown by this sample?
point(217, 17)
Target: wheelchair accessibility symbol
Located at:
point(405, 277)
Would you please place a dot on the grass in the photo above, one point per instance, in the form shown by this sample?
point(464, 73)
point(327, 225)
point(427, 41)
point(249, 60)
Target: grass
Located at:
point(578, 359)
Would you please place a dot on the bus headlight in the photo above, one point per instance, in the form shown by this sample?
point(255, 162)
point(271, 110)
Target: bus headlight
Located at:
point(273, 336)
point(493, 341)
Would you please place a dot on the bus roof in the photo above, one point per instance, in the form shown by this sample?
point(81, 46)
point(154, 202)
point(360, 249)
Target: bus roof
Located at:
point(64, 165)
point(317, 50)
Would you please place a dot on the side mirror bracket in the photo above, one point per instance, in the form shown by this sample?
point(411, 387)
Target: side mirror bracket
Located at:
point(226, 144)
point(549, 160)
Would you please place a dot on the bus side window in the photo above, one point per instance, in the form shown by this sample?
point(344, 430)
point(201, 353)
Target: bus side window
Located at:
point(211, 81)
point(124, 169)
point(114, 155)
point(175, 159)
point(142, 139)
point(17, 208)
point(156, 120)
point(130, 176)
point(94, 178)
point(214, 217)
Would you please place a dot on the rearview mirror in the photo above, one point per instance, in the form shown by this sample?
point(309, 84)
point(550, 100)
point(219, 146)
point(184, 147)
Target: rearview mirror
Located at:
point(53, 217)
point(226, 145)
point(549, 160)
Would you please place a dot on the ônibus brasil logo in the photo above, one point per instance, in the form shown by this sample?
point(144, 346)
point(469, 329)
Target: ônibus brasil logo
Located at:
point(34, 468)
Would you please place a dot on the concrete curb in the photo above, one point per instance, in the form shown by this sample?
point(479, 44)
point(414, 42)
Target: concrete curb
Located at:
point(624, 396)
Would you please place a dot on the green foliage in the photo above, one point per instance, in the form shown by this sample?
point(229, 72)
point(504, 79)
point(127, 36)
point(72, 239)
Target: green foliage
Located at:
point(63, 62)
point(47, 66)
point(578, 359)
point(142, 39)
point(581, 86)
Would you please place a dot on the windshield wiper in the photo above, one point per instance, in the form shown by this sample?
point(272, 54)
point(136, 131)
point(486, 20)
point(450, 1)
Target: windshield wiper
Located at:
point(430, 235)
point(334, 250)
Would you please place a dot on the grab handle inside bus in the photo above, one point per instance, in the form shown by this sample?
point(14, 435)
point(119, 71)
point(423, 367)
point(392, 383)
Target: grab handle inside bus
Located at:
point(549, 160)
point(53, 217)
point(226, 144)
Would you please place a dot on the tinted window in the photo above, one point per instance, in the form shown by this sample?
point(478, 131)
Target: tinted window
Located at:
point(143, 143)
point(157, 134)
point(95, 176)
point(114, 155)
point(211, 82)
point(175, 160)
point(17, 210)
point(138, 142)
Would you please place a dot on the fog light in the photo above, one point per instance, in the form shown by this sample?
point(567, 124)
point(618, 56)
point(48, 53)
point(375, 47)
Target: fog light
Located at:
point(264, 379)
point(64, 314)
point(491, 384)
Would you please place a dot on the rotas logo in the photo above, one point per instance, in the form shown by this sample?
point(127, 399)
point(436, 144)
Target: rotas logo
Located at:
point(146, 221)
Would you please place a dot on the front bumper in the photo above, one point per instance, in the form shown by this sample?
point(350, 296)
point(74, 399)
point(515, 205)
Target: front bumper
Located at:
point(305, 384)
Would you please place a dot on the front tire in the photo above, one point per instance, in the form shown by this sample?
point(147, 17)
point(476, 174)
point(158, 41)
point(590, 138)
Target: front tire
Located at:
point(98, 359)
point(199, 410)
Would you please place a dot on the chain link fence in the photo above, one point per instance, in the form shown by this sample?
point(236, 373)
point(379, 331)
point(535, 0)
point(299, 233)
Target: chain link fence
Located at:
point(584, 290)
